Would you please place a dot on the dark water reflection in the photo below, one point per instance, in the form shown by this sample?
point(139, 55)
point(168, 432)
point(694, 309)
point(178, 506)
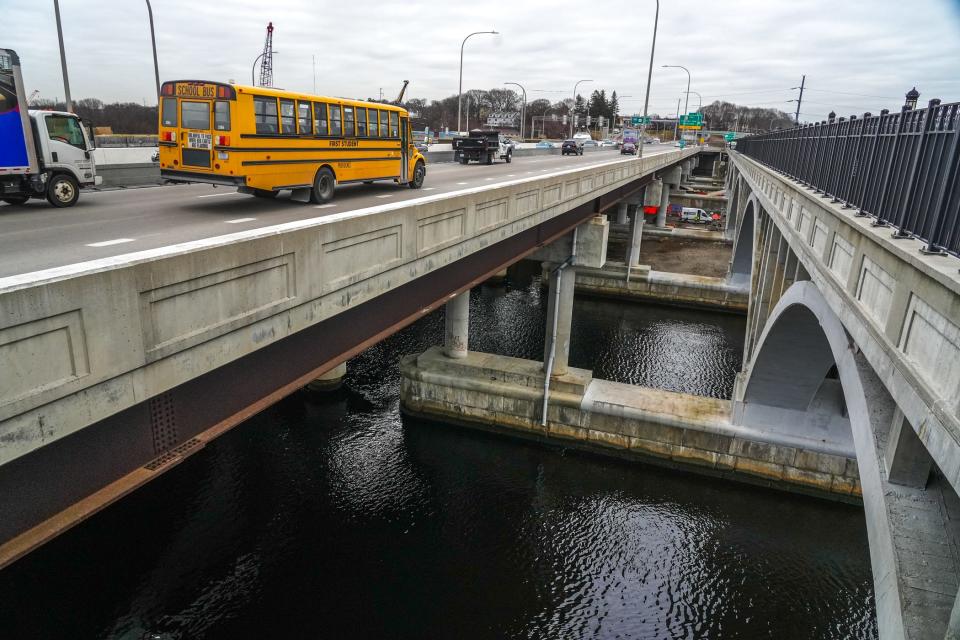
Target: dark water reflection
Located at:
point(333, 517)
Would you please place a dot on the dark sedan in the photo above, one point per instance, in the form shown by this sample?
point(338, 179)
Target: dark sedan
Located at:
point(571, 146)
point(628, 147)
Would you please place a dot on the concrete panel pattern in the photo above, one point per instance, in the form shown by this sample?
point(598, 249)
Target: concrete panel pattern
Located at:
point(178, 315)
point(841, 258)
point(875, 290)
point(933, 343)
point(42, 355)
point(441, 230)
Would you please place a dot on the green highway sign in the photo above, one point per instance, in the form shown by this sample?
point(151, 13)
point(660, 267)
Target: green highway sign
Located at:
point(692, 119)
point(729, 136)
point(639, 120)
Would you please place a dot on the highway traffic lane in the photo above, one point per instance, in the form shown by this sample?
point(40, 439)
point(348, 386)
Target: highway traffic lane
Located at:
point(104, 224)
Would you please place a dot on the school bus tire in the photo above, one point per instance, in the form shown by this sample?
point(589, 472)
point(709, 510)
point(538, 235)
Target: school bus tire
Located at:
point(419, 173)
point(323, 186)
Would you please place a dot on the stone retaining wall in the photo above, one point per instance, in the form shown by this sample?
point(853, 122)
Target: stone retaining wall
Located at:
point(678, 430)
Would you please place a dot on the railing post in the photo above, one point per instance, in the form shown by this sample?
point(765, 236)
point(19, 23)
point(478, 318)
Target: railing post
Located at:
point(868, 173)
point(857, 157)
point(881, 220)
point(843, 169)
point(939, 233)
point(929, 122)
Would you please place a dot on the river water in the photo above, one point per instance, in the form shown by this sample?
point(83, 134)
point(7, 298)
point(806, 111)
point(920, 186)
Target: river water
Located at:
point(334, 517)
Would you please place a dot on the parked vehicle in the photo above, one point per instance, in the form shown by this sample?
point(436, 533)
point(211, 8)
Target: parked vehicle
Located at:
point(546, 144)
point(42, 153)
point(692, 214)
point(482, 146)
point(571, 147)
point(628, 148)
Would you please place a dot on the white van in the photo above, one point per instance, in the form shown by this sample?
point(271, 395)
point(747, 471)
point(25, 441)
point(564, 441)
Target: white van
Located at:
point(691, 214)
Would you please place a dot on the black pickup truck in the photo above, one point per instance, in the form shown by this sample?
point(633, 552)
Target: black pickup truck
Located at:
point(482, 146)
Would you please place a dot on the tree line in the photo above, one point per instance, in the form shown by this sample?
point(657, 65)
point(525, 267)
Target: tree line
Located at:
point(543, 117)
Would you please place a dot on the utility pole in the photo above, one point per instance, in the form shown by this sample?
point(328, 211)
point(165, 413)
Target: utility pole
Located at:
point(796, 118)
point(63, 57)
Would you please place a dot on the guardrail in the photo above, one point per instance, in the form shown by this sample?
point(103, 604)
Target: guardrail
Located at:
point(902, 169)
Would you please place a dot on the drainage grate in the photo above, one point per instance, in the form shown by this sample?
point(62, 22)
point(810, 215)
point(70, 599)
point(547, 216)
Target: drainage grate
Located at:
point(172, 455)
point(163, 423)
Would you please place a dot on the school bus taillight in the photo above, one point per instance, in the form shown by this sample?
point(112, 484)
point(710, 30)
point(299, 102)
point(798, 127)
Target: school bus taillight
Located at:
point(166, 136)
point(222, 141)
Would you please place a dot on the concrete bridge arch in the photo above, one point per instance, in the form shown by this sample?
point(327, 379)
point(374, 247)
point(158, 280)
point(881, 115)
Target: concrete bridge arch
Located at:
point(741, 265)
point(810, 385)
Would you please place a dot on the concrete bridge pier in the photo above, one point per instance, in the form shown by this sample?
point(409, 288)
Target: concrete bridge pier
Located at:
point(556, 351)
point(636, 235)
point(457, 329)
point(329, 381)
point(668, 179)
point(622, 212)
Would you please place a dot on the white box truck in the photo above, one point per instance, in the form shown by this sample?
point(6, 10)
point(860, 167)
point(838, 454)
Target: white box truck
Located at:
point(43, 154)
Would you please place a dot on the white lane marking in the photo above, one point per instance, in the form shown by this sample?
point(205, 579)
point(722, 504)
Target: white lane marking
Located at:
point(324, 206)
point(461, 183)
point(239, 220)
point(214, 195)
point(429, 188)
point(107, 243)
point(387, 195)
point(510, 175)
point(488, 178)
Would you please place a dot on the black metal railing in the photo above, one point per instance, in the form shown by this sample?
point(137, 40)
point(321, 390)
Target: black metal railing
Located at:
point(899, 168)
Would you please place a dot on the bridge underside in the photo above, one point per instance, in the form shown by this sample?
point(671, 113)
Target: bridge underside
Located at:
point(47, 491)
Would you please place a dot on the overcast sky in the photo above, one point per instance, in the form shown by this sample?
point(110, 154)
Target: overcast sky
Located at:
point(858, 55)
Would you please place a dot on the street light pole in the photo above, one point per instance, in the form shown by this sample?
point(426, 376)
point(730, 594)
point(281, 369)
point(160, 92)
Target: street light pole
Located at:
point(646, 100)
point(575, 103)
point(63, 58)
point(153, 41)
point(460, 87)
point(523, 108)
point(686, 103)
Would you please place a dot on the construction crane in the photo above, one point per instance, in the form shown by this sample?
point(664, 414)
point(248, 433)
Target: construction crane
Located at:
point(33, 96)
point(266, 66)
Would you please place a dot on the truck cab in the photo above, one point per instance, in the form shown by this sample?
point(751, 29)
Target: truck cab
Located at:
point(42, 153)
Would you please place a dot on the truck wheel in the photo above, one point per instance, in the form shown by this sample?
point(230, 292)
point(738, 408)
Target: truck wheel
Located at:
point(63, 190)
point(419, 173)
point(15, 199)
point(323, 186)
point(489, 158)
point(509, 156)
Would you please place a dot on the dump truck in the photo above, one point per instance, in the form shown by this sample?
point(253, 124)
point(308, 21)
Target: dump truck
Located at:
point(43, 154)
point(482, 146)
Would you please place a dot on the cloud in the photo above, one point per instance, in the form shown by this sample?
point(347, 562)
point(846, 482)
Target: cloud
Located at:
point(745, 51)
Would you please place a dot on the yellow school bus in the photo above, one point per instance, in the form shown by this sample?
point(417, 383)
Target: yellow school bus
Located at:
point(263, 140)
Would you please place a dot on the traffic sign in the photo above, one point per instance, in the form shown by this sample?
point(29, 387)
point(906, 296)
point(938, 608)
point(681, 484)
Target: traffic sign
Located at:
point(729, 136)
point(635, 120)
point(692, 127)
point(695, 119)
